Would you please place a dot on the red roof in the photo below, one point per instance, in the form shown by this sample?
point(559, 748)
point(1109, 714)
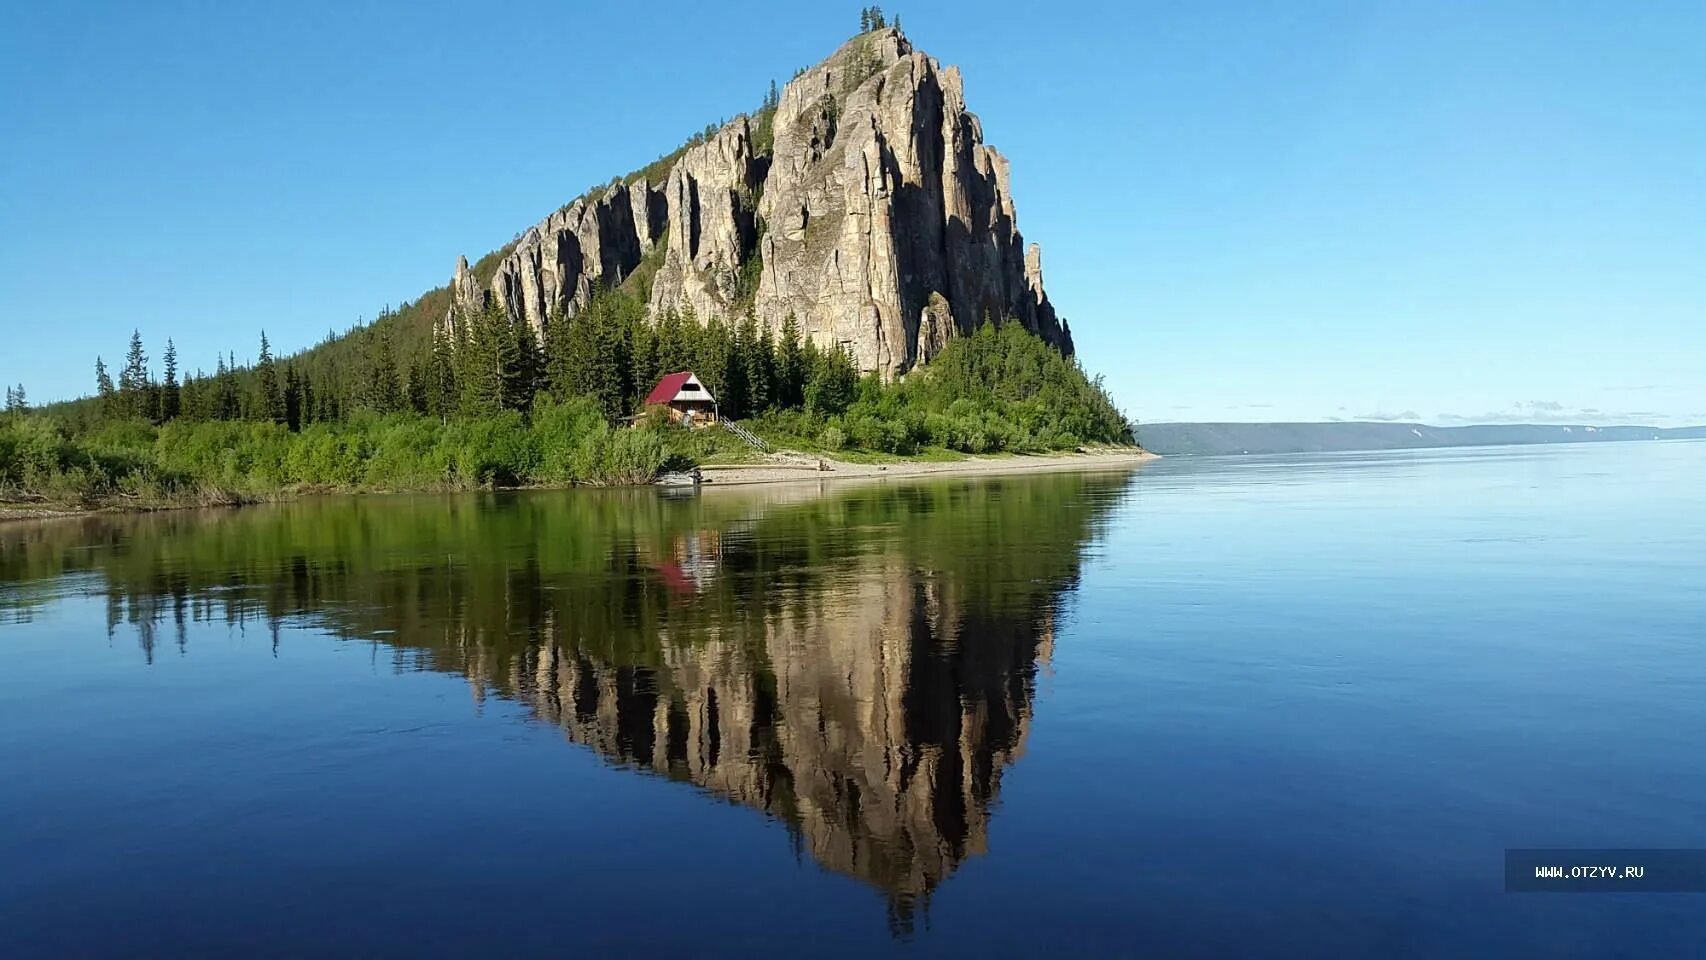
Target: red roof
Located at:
point(668, 387)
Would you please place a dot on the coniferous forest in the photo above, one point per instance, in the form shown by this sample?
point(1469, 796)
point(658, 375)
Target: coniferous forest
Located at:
point(483, 402)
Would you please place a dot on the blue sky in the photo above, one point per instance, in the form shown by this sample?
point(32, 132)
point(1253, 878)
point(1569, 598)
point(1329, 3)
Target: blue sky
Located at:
point(1441, 211)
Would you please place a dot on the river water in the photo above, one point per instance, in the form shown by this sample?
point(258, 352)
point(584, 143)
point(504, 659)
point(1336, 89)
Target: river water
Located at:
point(1269, 706)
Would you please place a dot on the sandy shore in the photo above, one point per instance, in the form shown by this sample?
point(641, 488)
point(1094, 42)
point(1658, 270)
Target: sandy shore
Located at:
point(783, 466)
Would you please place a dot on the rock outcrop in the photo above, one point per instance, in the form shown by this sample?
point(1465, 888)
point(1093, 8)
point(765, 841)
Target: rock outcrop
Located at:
point(711, 197)
point(872, 213)
point(558, 263)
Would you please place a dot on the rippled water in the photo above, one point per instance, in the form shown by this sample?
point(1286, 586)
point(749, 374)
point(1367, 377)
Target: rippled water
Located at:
point(1281, 706)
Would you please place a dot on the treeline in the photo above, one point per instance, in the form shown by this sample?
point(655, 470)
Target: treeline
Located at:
point(484, 402)
point(487, 363)
point(998, 389)
point(117, 461)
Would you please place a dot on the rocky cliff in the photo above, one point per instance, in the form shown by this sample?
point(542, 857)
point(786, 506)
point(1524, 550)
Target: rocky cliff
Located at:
point(864, 204)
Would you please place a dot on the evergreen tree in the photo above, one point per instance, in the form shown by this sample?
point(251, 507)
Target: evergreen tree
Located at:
point(378, 387)
point(575, 371)
point(619, 317)
point(293, 406)
point(479, 373)
point(833, 382)
point(760, 367)
point(15, 401)
point(171, 396)
point(643, 358)
point(415, 385)
point(441, 393)
point(673, 344)
point(104, 389)
point(227, 405)
point(712, 348)
point(790, 366)
point(864, 19)
point(521, 367)
point(269, 400)
point(310, 397)
point(133, 380)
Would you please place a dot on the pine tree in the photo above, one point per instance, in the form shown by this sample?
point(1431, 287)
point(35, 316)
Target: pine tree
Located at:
point(643, 368)
point(577, 361)
point(712, 347)
point(171, 395)
point(790, 366)
point(479, 356)
point(379, 388)
point(761, 372)
point(104, 389)
point(416, 382)
point(864, 19)
point(226, 403)
point(521, 367)
point(133, 379)
point(746, 367)
point(832, 383)
point(310, 397)
point(269, 400)
point(441, 394)
point(293, 406)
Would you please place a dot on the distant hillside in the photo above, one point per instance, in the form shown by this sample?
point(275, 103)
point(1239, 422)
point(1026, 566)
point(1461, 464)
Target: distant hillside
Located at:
point(1217, 439)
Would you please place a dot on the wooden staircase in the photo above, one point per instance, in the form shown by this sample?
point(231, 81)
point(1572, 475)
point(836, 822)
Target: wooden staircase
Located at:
point(746, 436)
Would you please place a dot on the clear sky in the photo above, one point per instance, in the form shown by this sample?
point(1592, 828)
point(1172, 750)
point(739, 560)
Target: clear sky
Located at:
point(1444, 211)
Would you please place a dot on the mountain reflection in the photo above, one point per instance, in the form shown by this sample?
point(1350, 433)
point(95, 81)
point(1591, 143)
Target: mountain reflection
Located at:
point(859, 665)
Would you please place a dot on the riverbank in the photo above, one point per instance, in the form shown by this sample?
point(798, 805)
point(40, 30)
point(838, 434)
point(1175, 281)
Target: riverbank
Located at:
point(778, 467)
point(785, 466)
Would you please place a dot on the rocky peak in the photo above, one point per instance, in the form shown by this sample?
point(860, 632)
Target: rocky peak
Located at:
point(877, 218)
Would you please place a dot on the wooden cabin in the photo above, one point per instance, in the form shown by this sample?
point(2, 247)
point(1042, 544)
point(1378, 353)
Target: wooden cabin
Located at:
point(685, 397)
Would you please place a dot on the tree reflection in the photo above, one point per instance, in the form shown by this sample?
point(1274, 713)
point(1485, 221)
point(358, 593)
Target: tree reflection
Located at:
point(859, 665)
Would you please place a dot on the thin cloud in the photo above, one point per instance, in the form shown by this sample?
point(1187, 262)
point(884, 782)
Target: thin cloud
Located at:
point(1524, 413)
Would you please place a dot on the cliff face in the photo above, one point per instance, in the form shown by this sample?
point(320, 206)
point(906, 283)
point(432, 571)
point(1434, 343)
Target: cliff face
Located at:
point(874, 215)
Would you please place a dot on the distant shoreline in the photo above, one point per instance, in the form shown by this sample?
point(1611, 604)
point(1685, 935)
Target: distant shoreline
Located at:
point(1363, 436)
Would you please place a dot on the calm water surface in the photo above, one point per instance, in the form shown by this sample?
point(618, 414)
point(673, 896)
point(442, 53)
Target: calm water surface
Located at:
point(1283, 706)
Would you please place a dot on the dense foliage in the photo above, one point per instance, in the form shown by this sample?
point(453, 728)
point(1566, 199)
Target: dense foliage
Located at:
point(998, 390)
point(489, 405)
point(225, 461)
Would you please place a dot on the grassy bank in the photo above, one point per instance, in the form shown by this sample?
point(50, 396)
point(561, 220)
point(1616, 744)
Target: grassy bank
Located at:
point(132, 462)
point(998, 390)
